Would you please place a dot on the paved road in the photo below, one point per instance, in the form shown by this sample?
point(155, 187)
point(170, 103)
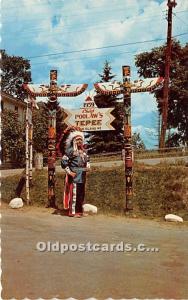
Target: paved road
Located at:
point(30, 273)
point(155, 161)
point(148, 161)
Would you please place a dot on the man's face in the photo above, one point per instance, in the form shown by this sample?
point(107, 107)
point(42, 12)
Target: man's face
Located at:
point(79, 142)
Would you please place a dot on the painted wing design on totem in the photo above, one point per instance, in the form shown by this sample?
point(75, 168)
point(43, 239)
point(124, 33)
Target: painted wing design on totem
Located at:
point(65, 90)
point(141, 85)
point(37, 90)
point(109, 88)
point(146, 85)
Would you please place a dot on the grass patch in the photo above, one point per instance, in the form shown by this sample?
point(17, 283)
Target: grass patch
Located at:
point(142, 154)
point(157, 189)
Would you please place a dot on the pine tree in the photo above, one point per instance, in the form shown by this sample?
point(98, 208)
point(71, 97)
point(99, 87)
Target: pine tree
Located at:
point(137, 142)
point(108, 141)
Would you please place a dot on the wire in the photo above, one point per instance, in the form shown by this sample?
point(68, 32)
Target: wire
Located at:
point(96, 56)
point(180, 19)
point(104, 47)
point(89, 57)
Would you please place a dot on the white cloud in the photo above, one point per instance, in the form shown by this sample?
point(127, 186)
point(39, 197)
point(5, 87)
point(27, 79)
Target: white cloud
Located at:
point(83, 25)
point(143, 103)
point(148, 135)
point(36, 27)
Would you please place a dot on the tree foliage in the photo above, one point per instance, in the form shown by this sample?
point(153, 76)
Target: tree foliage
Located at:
point(107, 141)
point(15, 70)
point(12, 137)
point(40, 129)
point(137, 142)
point(60, 116)
point(152, 64)
point(40, 125)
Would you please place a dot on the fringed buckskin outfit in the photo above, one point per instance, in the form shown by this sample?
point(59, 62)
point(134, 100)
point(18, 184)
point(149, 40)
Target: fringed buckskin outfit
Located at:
point(74, 161)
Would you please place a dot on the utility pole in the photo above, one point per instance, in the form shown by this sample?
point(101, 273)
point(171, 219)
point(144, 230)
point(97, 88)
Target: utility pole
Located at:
point(159, 128)
point(170, 4)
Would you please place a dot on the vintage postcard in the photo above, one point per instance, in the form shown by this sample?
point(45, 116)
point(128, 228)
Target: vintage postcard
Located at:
point(94, 153)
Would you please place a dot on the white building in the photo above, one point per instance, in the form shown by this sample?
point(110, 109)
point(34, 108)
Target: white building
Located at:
point(14, 104)
point(11, 103)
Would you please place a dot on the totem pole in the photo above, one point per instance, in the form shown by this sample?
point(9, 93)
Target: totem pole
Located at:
point(127, 137)
point(126, 88)
point(52, 91)
point(52, 139)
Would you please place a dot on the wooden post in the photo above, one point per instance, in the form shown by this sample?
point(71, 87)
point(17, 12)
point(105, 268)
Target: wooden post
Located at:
point(30, 134)
point(127, 138)
point(52, 139)
point(31, 153)
point(27, 154)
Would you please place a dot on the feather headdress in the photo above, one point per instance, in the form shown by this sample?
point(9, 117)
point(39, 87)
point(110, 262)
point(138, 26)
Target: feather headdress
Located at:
point(71, 134)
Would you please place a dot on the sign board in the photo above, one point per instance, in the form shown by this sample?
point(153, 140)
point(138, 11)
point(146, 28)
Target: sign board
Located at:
point(90, 117)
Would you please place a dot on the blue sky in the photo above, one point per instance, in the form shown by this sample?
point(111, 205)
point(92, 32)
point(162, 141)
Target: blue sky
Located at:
point(64, 35)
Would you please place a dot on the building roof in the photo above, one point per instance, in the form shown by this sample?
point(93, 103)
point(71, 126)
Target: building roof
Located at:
point(13, 100)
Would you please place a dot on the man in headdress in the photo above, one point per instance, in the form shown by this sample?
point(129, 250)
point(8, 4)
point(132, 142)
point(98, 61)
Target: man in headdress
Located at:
point(75, 161)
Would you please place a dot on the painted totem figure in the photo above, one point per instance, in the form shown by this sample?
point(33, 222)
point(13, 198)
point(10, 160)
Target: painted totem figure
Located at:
point(127, 88)
point(127, 137)
point(52, 139)
point(51, 157)
point(52, 91)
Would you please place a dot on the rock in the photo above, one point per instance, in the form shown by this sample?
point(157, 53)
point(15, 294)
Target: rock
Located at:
point(16, 203)
point(38, 161)
point(173, 218)
point(90, 208)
